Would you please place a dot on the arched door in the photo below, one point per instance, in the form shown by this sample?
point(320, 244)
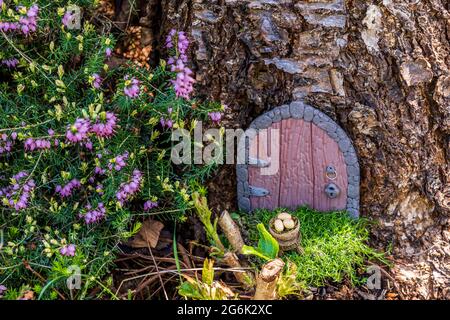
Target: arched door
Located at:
point(296, 156)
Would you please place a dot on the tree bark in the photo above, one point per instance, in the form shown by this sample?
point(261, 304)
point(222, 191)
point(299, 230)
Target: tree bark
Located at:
point(381, 69)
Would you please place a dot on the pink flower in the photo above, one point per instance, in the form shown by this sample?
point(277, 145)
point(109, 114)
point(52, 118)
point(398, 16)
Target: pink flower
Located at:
point(94, 215)
point(10, 63)
point(107, 127)
point(78, 131)
point(132, 88)
point(184, 83)
point(66, 191)
point(17, 194)
point(2, 287)
point(7, 143)
point(67, 18)
point(108, 52)
point(28, 22)
point(32, 144)
point(127, 190)
point(97, 81)
point(148, 205)
point(166, 123)
point(215, 117)
point(118, 162)
point(68, 251)
point(9, 26)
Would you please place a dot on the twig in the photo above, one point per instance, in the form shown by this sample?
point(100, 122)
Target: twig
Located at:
point(156, 266)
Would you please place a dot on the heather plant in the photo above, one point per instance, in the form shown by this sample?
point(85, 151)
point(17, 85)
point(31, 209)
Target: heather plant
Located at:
point(84, 148)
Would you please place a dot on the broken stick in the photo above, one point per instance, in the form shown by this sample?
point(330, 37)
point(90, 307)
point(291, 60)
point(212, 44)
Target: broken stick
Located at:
point(245, 278)
point(231, 231)
point(266, 281)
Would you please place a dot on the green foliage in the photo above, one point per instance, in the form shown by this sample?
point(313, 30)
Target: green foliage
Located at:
point(51, 87)
point(288, 285)
point(335, 246)
point(268, 246)
point(207, 288)
point(204, 214)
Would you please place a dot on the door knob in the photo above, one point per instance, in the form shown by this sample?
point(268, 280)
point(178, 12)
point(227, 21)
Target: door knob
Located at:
point(332, 191)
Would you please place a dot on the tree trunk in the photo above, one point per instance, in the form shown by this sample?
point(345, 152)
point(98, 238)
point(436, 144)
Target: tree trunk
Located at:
point(379, 68)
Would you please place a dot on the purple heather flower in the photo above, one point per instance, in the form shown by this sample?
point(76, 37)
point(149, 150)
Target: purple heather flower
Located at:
point(132, 88)
point(215, 117)
point(2, 287)
point(28, 22)
point(94, 215)
point(78, 131)
point(99, 171)
point(10, 63)
point(68, 251)
point(88, 145)
point(148, 205)
point(14, 198)
point(6, 143)
point(183, 42)
point(9, 26)
point(51, 132)
point(66, 191)
point(183, 84)
point(105, 129)
point(97, 81)
point(99, 189)
point(127, 190)
point(108, 52)
point(67, 18)
point(118, 162)
point(166, 123)
point(32, 144)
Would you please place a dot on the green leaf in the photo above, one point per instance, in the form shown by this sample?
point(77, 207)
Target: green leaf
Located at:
point(267, 245)
point(247, 250)
point(208, 272)
point(188, 290)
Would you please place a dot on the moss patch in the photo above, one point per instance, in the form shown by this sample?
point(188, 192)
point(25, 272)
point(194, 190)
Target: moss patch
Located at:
point(335, 245)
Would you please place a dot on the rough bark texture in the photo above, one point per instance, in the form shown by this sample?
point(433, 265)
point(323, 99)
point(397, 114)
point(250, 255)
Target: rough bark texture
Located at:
point(381, 69)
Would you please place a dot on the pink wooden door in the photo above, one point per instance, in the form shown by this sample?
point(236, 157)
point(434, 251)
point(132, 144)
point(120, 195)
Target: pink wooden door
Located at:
point(304, 152)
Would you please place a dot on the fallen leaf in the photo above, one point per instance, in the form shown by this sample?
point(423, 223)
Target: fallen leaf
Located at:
point(148, 235)
point(391, 296)
point(28, 295)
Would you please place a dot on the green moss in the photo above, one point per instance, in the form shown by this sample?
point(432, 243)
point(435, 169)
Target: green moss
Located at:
point(335, 245)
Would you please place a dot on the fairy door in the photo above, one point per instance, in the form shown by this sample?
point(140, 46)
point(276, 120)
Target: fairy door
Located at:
point(298, 156)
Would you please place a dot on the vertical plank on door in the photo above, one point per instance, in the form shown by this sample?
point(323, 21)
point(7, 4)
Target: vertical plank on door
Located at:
point(297, 174)
point(268, 182)
point(326, 152)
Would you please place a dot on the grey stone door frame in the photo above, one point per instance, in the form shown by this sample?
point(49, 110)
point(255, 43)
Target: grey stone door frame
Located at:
point(300, 110)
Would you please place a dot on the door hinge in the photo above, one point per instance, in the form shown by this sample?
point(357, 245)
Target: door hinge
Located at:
point(258, 192)
point(258, 162)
